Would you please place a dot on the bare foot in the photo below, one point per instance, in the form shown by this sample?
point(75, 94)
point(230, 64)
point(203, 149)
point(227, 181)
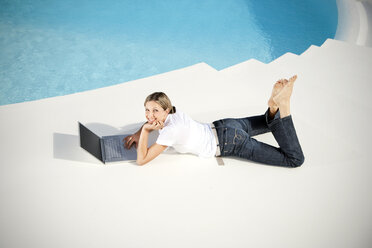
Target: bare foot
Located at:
point(282, 99)
point(278, 86)
point(286, 91)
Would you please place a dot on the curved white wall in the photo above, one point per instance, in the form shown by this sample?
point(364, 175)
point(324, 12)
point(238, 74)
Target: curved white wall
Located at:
point(354, 18)
point(348, 21)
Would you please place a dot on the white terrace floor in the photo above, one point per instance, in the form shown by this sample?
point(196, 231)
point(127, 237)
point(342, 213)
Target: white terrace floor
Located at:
point(54, 194)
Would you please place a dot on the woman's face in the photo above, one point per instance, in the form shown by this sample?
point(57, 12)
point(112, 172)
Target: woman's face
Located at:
point(154, 112)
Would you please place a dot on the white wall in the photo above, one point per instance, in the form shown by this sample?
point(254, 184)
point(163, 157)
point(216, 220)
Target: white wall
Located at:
point(348, 21)
point(368, 10)
point(369, 1)
point(354, 20)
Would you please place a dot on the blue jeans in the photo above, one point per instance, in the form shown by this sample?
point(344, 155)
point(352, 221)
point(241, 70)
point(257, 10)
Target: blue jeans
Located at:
point(235, 139)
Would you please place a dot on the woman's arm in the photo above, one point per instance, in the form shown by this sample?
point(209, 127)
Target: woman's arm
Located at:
point(144, 154)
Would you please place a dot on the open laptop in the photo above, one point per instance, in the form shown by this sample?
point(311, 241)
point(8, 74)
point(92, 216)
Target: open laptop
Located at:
point(107, 148)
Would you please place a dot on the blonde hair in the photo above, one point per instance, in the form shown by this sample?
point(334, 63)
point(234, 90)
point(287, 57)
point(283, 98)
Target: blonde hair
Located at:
point(163, 100)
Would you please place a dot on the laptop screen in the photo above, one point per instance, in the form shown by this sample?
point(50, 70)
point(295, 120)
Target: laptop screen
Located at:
point(90, 141)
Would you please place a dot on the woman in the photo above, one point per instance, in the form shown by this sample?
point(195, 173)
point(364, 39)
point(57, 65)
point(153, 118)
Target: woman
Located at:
point(226, 137)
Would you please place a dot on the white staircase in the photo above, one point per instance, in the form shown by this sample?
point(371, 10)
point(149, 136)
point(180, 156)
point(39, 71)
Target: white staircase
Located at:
point(52, 188)
point(332, 92)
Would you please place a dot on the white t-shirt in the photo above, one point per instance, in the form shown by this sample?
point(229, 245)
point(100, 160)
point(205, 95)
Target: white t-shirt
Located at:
point(187, 136)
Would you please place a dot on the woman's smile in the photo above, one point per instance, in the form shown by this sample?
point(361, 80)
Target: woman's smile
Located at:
point(155, 113)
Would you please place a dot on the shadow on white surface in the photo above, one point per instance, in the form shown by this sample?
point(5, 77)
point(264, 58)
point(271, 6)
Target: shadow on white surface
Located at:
point(67, 146)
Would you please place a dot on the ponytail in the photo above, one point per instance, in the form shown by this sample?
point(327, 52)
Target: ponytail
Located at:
point(173, 110)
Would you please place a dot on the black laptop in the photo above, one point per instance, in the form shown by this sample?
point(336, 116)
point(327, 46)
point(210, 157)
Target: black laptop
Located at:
point(107, 148)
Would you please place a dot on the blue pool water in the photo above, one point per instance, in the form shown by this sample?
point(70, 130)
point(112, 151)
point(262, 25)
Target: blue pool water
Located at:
point(51, 47)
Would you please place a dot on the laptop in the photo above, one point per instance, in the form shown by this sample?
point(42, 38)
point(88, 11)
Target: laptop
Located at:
point(107, 148)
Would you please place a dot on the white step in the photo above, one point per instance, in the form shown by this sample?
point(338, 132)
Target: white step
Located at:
point(345, 68)
point(285, 58)
point(343, 49)
point(250, 64)
point(309, 50)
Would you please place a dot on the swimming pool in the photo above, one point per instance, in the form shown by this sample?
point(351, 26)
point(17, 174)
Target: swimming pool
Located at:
point(50, 48)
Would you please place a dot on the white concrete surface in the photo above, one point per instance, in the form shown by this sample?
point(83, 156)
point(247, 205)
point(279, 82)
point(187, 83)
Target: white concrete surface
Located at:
point(54, 194)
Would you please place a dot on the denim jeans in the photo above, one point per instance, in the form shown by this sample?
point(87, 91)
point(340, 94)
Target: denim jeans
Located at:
point(235, 139)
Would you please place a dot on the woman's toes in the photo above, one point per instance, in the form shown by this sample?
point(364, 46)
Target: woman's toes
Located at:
point(292, 79)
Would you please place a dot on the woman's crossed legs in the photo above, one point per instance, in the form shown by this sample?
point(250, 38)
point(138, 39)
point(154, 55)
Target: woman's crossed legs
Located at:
point(235, 135)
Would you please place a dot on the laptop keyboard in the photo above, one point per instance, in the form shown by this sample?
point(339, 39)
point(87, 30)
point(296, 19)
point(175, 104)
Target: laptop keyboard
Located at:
point(112, 148)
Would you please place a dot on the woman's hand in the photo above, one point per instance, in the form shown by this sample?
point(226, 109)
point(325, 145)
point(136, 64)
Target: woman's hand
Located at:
point(156, 125)
point(134, 138)
point(131, 139)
